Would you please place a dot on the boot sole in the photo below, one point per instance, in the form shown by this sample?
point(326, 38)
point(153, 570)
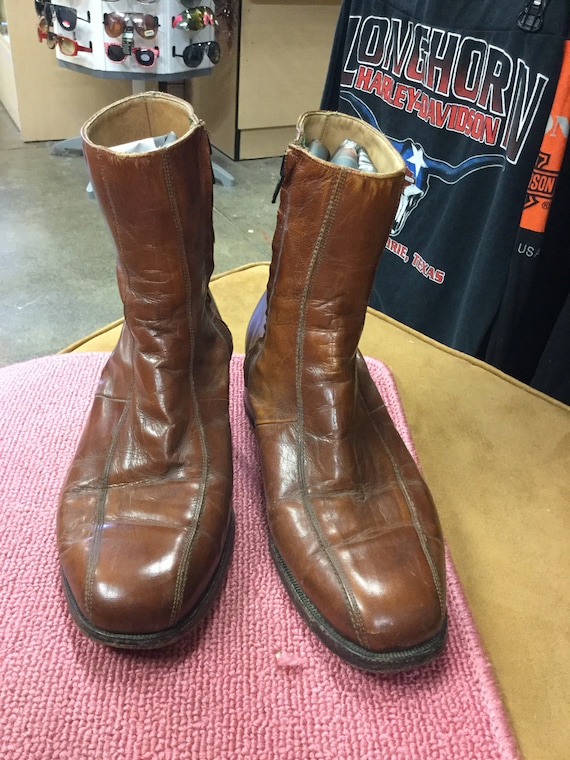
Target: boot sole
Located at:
point(168, 635)
point(359, 657)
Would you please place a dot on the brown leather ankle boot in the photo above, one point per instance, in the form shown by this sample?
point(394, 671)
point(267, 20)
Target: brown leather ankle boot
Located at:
point(353, 529)
point(145, 525)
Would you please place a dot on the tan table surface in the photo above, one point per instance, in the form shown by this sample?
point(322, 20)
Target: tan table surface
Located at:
point(496, 455)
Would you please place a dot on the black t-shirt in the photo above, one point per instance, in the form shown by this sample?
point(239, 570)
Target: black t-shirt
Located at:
point(464, 94)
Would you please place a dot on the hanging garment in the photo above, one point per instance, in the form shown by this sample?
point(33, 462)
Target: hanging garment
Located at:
point(464, 91)
point(528, 338)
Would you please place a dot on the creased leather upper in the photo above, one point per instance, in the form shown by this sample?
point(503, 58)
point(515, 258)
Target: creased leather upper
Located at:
point(145, 510)
point(347, 508)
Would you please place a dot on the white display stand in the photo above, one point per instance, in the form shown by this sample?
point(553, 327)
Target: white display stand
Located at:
point(93, 36)
point(90, 41)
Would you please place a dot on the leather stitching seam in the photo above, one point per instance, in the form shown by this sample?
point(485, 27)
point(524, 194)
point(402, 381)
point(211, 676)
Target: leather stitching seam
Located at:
point(344, 585)
point(99, 517)
point(415, 519)
point(181, 576)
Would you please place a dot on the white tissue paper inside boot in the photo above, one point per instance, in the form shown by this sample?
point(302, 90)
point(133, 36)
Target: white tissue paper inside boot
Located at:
point(138, 146)
point(145, 145)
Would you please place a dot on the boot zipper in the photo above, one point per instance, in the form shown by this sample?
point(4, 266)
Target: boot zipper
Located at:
point(279, 181)
point(211, 163)
point(532, 17)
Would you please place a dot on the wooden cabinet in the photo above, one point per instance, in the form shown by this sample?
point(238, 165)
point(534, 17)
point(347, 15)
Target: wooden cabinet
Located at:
point(45, 101)
point(274, 71)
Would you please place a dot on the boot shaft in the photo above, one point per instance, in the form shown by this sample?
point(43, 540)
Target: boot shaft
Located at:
point(332, 226)
point(167, 378)
point(333, 221)
point(158, 206)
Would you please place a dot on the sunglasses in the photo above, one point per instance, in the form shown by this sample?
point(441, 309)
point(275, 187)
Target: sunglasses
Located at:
point(195, 19)
point(144, 24)
point(145, 57)
point(66, 17)
point(66, 45)
point(193, 55)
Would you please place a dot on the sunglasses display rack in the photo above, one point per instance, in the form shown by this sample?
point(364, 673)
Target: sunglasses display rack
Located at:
point(164, 40)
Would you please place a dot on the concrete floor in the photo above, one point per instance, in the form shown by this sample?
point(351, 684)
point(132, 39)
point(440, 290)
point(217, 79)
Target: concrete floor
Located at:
point(57, 260)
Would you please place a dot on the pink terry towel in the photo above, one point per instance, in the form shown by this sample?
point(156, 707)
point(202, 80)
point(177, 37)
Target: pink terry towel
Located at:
point(252, 682)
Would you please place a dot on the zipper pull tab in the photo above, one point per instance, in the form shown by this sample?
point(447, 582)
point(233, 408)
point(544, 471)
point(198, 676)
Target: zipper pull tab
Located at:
point(532, 17)
point(279, 181)
point(211, 162)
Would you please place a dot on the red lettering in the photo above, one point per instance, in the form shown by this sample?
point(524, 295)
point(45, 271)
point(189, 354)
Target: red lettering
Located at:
point(491, 129)
point(400, 96)
point(498, 71)
point(470, 68)
point(423, 111)
point(376, 84)
point(428, 271)
point(398, 248)
point(419, 54)
point(440, 62)
point(478, 126)
point(417, 262)
point(438, 113)
point(387, 89)
point(414, 97)
point(363, 78)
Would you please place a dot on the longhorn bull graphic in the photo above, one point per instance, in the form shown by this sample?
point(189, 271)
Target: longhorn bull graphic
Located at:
point(420, 168)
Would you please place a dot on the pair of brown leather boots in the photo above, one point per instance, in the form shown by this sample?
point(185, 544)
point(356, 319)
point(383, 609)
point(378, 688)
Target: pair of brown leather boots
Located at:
point(145, 523)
